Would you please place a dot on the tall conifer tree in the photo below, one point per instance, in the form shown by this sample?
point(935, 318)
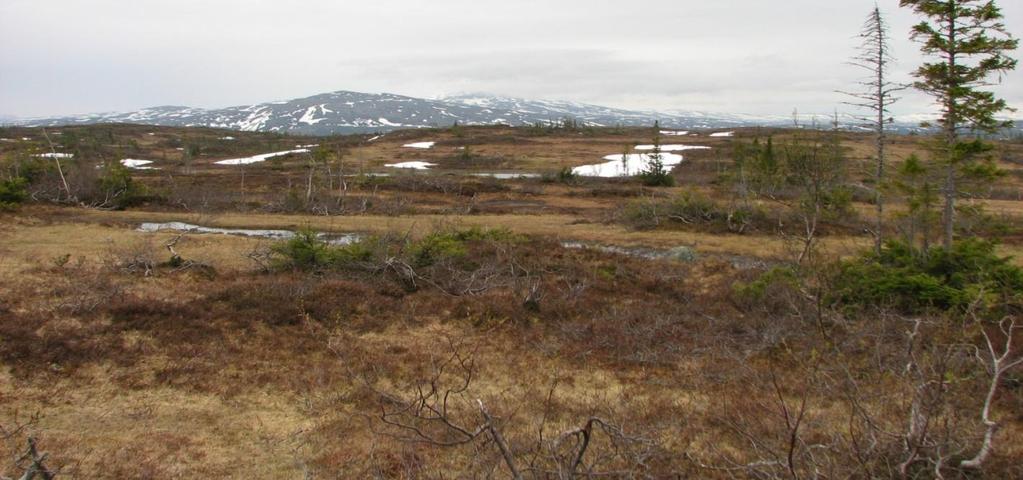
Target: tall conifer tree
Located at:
point(968, 42)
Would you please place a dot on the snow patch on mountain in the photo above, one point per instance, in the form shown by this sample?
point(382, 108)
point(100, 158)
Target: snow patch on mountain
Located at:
point(344, 112)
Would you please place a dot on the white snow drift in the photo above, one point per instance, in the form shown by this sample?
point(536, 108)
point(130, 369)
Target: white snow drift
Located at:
point(672, 148)
point(416, 165)
point(137, 164)
point(259, 158)
point(633, 164)
point(421, 145)
point(723, 134)
point(334, 239)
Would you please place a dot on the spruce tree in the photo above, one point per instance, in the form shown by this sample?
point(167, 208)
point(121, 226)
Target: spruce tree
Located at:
point(655, 174)
point(969, 44)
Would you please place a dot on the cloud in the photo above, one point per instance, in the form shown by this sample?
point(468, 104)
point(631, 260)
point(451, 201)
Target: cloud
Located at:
point(743, 56)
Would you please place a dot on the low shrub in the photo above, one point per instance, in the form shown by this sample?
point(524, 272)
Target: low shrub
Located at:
point(689, 209)
point(769, 290)
point(452, 244)
point(117, 188)
point(566, 175)
point(656, 174)
point(13, 192)
point(433, 247)
point(308, 251)
point(915, 281)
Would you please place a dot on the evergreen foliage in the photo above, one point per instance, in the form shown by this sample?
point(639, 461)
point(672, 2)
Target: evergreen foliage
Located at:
point(12, 192)
point(655, 174)
point(915, 281)
point(969, 43)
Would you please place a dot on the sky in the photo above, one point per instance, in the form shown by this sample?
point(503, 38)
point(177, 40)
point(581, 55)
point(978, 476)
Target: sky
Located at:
point(727, 56)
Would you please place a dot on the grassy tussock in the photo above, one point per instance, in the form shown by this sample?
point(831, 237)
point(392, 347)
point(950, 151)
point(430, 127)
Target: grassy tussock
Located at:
point(287, 367)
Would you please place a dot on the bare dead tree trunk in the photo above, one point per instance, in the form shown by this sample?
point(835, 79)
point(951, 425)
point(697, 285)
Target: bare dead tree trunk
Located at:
point(60, 171)
point(428, 415)
point(999, 365)
point(502, 445)
point(342, 186)
point(330, 177)
point(876, 96)
point(36, 467)
point(170, 248)
point(309, 182)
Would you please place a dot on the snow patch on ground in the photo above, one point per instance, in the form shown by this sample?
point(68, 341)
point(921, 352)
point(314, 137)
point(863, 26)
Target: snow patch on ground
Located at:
point(674, 133)
point(633, 164)
point(258, 158)
point(421, 145)
point(416, 165)
point(507, 176)
point(227, 138)
point(375, 138)
point(723, 134)
point(672, 148)
point(55, 155)
point(137, 164)
point(334, 239)
point(682, 254)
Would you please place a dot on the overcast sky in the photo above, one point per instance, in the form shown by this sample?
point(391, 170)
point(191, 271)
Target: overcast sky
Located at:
point(737, 56)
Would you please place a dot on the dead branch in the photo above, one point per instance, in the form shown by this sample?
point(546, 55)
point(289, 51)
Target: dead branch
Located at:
point(35, 461)
point(998, 365)
point(431, 415)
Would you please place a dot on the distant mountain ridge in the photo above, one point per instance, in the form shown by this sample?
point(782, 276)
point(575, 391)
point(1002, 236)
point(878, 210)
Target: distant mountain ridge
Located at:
point(345, 112)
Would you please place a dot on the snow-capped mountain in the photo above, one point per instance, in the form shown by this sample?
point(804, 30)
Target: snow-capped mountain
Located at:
point(532, 111)
point(352, 112)
point(345, 112)
point(338, 112)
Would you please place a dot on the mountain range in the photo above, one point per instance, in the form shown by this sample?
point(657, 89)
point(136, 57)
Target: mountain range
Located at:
point(345, 112)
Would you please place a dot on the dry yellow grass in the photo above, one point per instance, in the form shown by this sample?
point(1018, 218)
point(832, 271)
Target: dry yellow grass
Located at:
point(96, 232)
point(250, 398)
point(167, 432)
point(34, 246)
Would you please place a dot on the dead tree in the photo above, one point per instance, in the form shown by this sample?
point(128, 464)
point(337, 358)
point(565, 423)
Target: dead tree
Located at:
point(35, 464)
point(772, 426)
point(175, 257)
point(440, 411)
point(815, 167)
point(876, 96)
point(429, 416)
point(998, 364)
point(60, 171)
